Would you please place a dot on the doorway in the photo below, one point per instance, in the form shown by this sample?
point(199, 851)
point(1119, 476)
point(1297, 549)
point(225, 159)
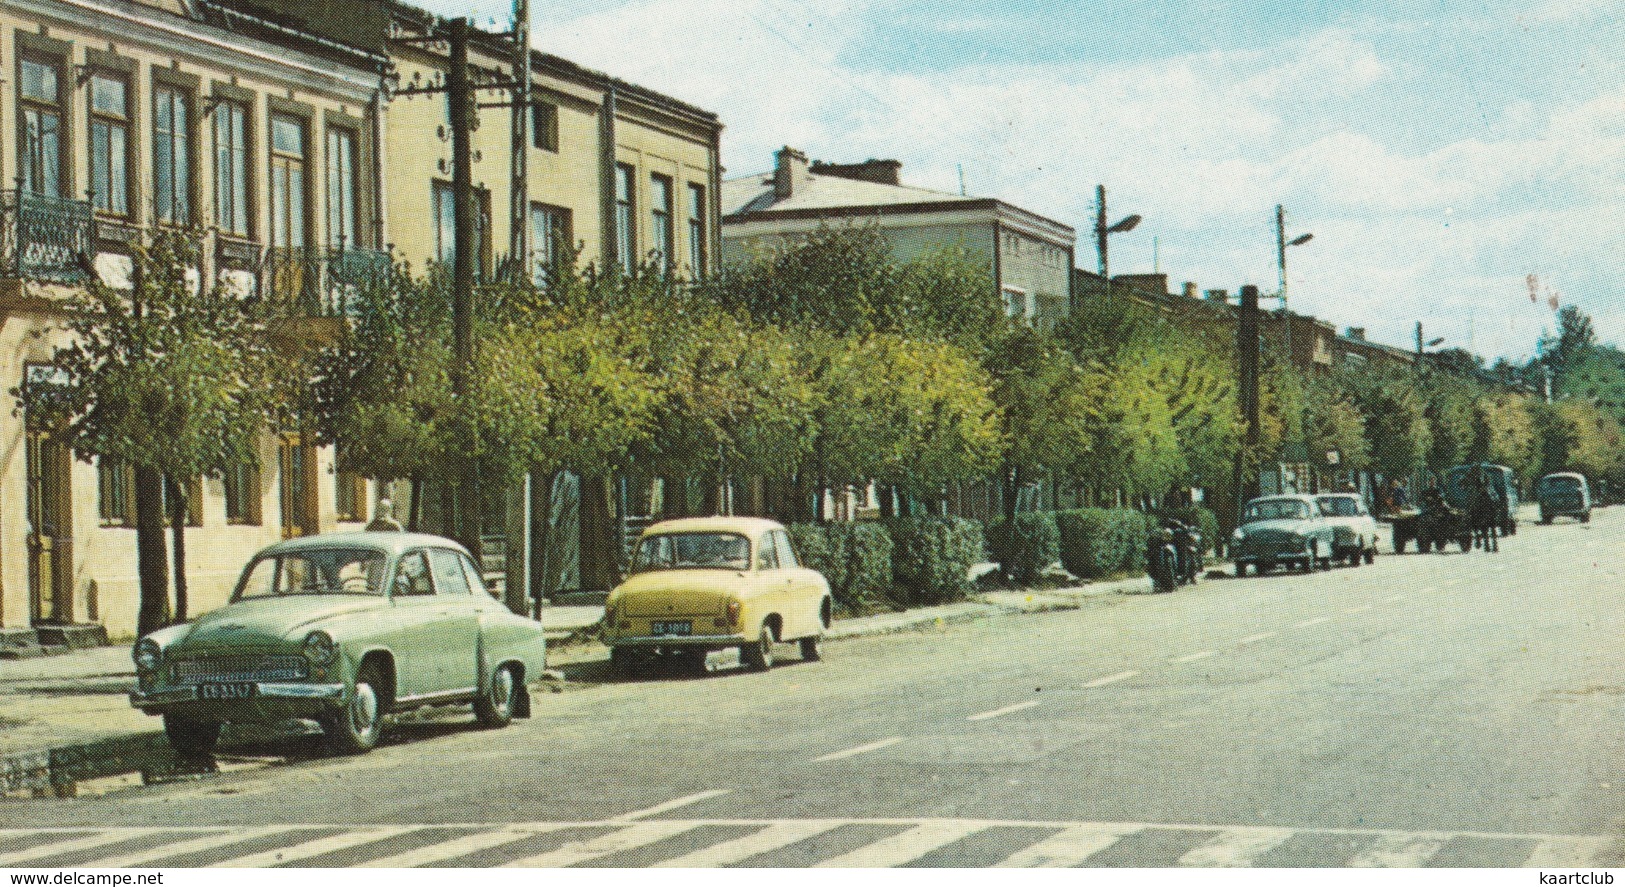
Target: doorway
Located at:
point(50, 530)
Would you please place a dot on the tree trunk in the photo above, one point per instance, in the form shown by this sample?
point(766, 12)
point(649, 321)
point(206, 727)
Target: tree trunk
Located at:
point(888, 501)
point(177, 530)
point(152, 564)
point(414, 509)
point(674, 497)
point(598, 542)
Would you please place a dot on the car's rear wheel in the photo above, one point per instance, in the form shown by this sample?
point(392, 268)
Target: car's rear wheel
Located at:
point(495, 708)
point(1371, 554)
point(355, 729)
point(759, 655)
point(1241, 569)
point(191, 737)
point(812, 648)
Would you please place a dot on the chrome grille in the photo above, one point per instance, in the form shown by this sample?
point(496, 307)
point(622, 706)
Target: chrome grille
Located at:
point(240, 668)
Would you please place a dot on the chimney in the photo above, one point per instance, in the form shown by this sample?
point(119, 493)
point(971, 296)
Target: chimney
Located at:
point(881, 172)
point(1217, 297)
point(1190, 289)
point(789, 173)
point(1355, 332)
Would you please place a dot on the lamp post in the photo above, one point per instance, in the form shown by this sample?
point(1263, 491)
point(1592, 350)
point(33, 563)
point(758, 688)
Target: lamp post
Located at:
point(1102, 231)
point(1281, 243)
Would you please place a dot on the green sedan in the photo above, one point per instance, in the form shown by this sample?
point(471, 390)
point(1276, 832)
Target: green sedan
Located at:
point(1288, 530)
point(341, 629)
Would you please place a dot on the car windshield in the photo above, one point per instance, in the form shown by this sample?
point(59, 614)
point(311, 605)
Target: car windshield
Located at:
point(1339, 506)
point(680, 551)
point(316, 571)
point(1277, 509)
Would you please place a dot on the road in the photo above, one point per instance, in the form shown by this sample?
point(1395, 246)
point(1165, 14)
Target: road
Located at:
point(1446, 710)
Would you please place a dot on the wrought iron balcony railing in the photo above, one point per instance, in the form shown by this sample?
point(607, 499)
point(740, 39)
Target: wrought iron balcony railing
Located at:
point(322, 281)
point(45, 238)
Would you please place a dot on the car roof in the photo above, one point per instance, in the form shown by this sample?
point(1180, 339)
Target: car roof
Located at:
point(387, 543)
point(1337, 495)
point(1570, 474)
point(1284, 497)
point(750, 526)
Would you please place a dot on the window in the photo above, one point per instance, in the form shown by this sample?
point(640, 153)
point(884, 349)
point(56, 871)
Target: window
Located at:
point(660, 198)
point(287, 181)
point(350, 499)
point(449, 577)
point(115, 493)
point(1016, 303)
point(544, 126)
point(242, 484)
point(549, 241)
point(626, 244)
point(696, 230)
point(39, 128)
point(317, 571)
point(787, 554)
point(343, 188)
point(412, 576)
point(445, 225)
point(294, 489)
point(472, 575)
point(191, 496)
point(110, 144)
point(171, 155)
point(767, 553)
point(231, 211)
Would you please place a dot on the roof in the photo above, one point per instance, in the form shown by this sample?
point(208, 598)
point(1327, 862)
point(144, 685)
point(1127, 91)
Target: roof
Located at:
point(386, 542)
point(1295, 497)
point(753, 526)
point(754, 193)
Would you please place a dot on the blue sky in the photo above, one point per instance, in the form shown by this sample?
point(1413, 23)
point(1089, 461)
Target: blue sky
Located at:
point(1439, 151)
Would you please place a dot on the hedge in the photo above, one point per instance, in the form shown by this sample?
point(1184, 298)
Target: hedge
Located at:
point(1097, 542)
point(1026, 545)
point(932, 556)
point(1204, 519)
point(855, 558)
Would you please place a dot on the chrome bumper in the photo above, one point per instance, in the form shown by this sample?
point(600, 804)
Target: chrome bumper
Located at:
point(334, 692)
point(680, 640)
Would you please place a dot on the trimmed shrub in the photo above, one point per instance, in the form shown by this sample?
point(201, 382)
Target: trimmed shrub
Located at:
point(1098, 542)
point(931, 556)
point(1204, 519)
point(1025, 546)
point(855, 558)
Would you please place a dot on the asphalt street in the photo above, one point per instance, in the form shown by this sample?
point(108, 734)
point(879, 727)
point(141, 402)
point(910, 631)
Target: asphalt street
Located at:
point(1447, 710)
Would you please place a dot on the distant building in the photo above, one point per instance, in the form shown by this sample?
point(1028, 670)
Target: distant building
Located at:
point(1029, 256)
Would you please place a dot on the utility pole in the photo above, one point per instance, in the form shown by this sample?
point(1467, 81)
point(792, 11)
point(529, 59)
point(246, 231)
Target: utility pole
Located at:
point(1100, 233)
point(460, 101)
point(1280, 261)
point(1245, 475)
point(519, 190)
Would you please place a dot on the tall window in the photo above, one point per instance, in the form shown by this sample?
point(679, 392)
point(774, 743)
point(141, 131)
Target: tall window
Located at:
point(350, 500)
point(243, 494)
point(287, 181)
point(231, 168)
point(660, 200)
point(549, 240)
point(544, 126)
point(342, 189)
point(39, 128)
point(444, 207)
point(110, 144)
point(696, 230)
point(115, 492)
point(171, 155)
point(626, 244)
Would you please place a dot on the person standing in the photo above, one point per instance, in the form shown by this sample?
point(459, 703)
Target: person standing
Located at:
point(383, 518)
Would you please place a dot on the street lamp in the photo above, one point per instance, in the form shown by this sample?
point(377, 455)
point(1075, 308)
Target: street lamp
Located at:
point(1281, 243)
point(1102, 230)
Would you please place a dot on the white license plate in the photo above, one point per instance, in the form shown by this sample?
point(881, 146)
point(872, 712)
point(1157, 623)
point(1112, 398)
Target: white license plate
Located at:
point(225, 691)
point(669, 629)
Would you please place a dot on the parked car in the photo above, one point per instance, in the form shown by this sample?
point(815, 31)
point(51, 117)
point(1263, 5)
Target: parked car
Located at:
point(1354, 530)
point(341, 629)
point(1285, 530)
point(710, 583)
point(1564, 494)
point(1458, 493)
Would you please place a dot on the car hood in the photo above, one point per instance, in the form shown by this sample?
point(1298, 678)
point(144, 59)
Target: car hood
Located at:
point(1278, 527)
point(269, 621)
point(664, 592)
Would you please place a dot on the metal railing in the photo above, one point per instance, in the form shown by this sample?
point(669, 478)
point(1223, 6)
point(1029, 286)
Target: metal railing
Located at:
point(45, 238)
point(322, 281)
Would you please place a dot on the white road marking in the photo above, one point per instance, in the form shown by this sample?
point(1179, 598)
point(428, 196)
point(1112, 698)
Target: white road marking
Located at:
point(780, 834)
point(1499, 568)
point(1181, 660)
point(1352, 610)
point(87, 842)
point(1577, 853)
point(195, 845)
point(903, 848)
point(317, 847)
point(1418, 591)
point(673, 804)
point(575, 852)
point(1256, 637)
point(1067, 848)
point(1008, 709)
point(1395, 598)
point(1110, 679)
point(1315, 621)
point(852, 752)
point(1237, 848)
point(1397, 852)
point(459, 846)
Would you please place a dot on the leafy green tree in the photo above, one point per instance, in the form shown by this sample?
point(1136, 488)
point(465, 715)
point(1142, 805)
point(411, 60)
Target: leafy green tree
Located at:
point(1451, 412)
point(1504, 434)
point(1333, 423)
point(1393, 411)
point(1575, 339)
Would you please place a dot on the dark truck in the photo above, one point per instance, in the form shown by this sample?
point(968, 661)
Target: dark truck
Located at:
point(1458, 491)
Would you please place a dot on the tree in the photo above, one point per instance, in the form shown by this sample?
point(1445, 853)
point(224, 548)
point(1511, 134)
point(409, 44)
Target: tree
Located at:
point(1574, 341)
point(1393, 412)
point(168, 377)
point(1504, 434)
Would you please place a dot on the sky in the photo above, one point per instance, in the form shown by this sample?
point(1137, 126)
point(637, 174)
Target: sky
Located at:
point(1439, 152)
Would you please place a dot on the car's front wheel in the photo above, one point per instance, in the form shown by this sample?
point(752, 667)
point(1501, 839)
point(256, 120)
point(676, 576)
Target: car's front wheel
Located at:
point(191, 737)
point(494, 709)
point(759, 655)
point(355, 729)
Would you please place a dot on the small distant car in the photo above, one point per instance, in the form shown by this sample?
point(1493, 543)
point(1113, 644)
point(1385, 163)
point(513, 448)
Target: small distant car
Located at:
point(1354, 530)
point(1285, 530)
point(1564, 494)
point(711, 583)
point(341, 629)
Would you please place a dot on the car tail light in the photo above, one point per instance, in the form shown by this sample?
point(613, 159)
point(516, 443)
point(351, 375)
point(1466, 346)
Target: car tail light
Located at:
point(733, 612)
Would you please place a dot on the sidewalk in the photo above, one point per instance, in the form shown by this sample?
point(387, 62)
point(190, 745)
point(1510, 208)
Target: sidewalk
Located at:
point(66, 718)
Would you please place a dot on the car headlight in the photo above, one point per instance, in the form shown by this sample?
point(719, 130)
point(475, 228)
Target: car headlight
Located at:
point(320, 649)
point(148, 655)
point(1238, 535)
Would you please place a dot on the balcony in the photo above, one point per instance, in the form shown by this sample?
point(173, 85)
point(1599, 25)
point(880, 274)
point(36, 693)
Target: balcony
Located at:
point(321, 281)
point(45, 238)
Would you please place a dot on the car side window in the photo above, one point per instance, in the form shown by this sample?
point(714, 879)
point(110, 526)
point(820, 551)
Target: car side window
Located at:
point(787, 554)
point(767, 554)
point(449, 577)
point(475, 580)
point(412, 576)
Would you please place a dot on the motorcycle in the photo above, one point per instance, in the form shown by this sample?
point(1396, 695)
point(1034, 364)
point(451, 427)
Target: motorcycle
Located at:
point(1162, 560)
point(1188, 542)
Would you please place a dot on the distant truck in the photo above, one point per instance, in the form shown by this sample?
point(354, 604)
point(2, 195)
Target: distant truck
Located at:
point(1458, 490)
point(1564, 494)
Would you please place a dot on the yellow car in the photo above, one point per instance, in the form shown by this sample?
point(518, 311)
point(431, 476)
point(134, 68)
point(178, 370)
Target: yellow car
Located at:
point(710, 583)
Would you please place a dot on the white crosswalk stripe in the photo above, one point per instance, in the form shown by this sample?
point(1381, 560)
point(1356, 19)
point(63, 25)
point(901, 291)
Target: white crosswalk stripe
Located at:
point(906, 840)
